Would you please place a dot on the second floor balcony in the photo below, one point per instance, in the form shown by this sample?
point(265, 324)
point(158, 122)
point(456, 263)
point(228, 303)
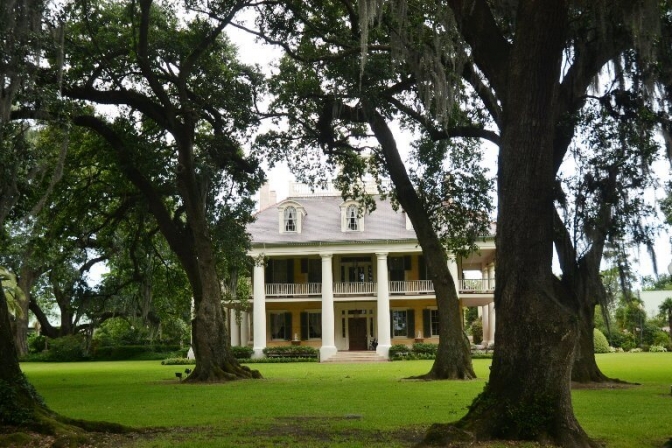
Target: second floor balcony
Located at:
point(364, 289)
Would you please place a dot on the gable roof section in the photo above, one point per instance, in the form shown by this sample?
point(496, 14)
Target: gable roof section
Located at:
point(322, 223)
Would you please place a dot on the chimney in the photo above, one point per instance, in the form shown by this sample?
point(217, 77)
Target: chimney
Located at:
point(267, 197)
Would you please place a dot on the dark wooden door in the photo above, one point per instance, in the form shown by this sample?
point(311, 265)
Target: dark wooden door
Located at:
point(357, 333)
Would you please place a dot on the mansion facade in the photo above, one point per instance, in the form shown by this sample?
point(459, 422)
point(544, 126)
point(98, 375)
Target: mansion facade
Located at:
point(331, 277)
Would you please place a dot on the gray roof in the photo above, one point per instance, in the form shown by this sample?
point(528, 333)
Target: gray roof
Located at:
point(322, 223)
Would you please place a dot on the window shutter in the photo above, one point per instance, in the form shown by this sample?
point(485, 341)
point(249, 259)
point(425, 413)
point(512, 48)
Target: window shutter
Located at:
point(304, 265)
point(410, 323)
point(304, 326)
point(290, 270)
point(391, 324)
point(422, 268)
point(269, 271)
point(288, 326)
point(426, 324)
point(407, 263)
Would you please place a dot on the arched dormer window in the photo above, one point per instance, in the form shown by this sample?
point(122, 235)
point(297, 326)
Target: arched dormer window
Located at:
point(290, 219)
point(351, 218)
point(290, 216)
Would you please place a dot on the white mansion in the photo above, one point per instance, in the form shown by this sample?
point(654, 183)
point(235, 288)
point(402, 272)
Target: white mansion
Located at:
point(337, 281)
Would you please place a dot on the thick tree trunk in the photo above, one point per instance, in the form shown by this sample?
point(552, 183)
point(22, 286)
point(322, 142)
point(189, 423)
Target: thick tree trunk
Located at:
point(453, 358)
point(528, 396)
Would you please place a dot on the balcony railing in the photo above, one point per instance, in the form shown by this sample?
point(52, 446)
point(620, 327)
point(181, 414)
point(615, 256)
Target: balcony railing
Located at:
point(413, 287)
point(293, 289)
point(355, 288)
point(477, 285)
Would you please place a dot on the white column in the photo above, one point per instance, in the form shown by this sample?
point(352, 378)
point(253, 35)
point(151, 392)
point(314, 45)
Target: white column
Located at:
point(491, 275)
point(383, 310)
point(491, 309)
point(485, 319)
point(244, 328)
point(328, 348)
point(259, 310)
point(452, 267)
point(234, 328)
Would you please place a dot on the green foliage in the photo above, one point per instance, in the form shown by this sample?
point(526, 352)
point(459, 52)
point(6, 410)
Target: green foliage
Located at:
point(657, 348)
point(18, 401)
point(132, 352)
point(477, 331)
point(36, 343)
point(425, 348)
point(242, 352)
point(661, 337)
point(280, 360)
point(66, 349)
point(178, 362)
point(398, 351)
point(118, 331)
point(291, 351)
point(600, 342)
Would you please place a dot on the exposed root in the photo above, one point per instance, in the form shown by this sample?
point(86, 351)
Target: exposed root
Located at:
point(220, 375)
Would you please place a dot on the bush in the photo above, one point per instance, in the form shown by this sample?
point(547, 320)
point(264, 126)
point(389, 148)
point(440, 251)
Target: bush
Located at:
point(600, 342)
point(425, 348)
point(661, 338)
point(399, 351)
point(66, 349)
point(277, 360)
point(242, 352)
point(178, 362)
point(477, 331)
point(36, 343)
point(133, 352)
point(291, 351)
point(657, 348)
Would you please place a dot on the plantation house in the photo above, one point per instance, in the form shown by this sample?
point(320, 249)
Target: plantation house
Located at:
point(330, 277)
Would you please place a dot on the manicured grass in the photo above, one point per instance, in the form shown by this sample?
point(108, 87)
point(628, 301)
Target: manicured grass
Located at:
point(336, 405)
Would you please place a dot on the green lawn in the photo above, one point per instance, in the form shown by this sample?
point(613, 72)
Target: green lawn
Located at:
point(336, 405)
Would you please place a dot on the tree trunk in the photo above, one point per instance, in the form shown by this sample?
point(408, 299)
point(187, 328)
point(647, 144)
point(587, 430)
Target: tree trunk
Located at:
point(528, 396)
point(453, 358)
point(585, 368)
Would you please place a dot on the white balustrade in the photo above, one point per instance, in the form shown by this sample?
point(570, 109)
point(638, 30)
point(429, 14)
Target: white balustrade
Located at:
point(355, 288)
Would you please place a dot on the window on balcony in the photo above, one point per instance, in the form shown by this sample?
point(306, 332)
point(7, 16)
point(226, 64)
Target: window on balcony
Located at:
point(280, 325)
point(280, 271)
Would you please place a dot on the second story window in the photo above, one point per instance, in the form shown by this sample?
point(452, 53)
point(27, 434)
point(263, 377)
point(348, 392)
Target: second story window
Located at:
point(351, 217)
point(290, 219)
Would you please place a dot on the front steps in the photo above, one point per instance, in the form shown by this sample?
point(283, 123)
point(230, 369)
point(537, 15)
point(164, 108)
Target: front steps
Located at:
point(356, 357)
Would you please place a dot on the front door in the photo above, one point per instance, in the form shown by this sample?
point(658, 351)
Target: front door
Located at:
point(357, 333)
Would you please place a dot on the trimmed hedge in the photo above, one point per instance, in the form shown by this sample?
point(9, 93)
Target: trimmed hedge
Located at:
point(242, 352)
point(292, 351)
point(425, 351)
point(134, 352)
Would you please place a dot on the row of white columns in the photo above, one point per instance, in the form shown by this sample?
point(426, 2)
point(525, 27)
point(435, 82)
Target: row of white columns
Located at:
point(328, 348)
point(487, 313)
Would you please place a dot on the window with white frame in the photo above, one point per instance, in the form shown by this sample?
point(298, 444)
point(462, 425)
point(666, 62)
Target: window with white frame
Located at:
point(434, 322)
point(290, 214)
point(351, 217)
point(399, 323)
point(290, 219)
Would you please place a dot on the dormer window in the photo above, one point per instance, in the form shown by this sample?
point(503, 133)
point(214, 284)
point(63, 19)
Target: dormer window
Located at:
point(351, 217)
point(290, 219)
point(290, 216)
